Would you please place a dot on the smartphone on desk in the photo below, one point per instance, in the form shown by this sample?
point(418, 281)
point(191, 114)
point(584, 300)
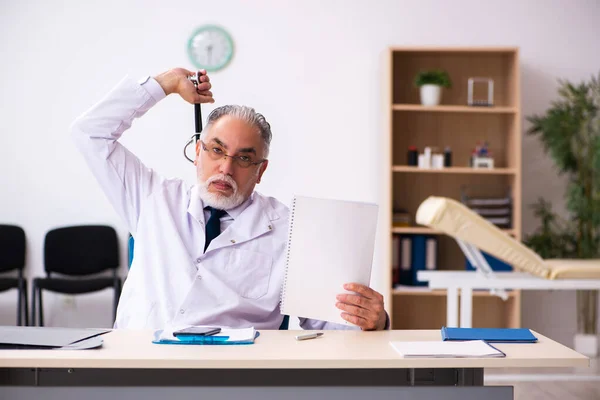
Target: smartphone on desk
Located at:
point(198, 331)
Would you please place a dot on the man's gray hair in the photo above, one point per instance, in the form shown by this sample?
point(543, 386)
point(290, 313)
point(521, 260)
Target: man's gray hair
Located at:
point(247, 114)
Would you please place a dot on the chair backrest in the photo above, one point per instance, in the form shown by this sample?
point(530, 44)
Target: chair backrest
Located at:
point(81, 250)
point(12, 248)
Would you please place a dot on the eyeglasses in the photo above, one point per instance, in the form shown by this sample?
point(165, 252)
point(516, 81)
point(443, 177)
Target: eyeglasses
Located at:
point(216, 152)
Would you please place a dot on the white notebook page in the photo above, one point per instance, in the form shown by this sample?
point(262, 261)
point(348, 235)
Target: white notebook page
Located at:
point(330, 243)
point(471, 348)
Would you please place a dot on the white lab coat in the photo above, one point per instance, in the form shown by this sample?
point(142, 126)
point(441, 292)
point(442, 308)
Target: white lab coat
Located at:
point(236, 283)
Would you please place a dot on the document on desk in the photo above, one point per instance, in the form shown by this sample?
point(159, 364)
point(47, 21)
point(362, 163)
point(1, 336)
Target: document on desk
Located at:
point(34, 337)
point(227, 336)
point(471, 348)
point(330, 243)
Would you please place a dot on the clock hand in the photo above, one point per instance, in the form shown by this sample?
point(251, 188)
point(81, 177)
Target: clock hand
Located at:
point(209, 50)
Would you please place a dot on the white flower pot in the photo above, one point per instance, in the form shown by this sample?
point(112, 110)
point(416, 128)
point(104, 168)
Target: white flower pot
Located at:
point(431, 95)
point(586, 344)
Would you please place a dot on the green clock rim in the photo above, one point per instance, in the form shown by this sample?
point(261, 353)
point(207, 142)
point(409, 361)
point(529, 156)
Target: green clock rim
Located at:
point(229, 55)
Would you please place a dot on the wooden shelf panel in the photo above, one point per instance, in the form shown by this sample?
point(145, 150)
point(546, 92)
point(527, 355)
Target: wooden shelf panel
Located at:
point(454, 170)
point(422, 230)
point(460, 65)
point(425, 291)
point(459, 132)
point(416, 230)
point(451, 50)
point(455, 109)
point(410, 190)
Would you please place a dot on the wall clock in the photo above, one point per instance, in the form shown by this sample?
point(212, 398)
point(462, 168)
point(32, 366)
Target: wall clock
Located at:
point(210, 47)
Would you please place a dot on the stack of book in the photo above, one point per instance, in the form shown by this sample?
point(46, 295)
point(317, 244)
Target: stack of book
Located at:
point(497, 210)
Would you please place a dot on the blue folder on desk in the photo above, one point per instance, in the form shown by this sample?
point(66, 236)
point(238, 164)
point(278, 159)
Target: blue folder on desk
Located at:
point(497, 335)
point(225, 337)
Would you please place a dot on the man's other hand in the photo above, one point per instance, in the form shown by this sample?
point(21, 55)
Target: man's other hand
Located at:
point(176, 81)
point(365, 308)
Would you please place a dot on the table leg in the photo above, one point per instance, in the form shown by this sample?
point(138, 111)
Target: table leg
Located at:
point(466, 307)
point(452, 307)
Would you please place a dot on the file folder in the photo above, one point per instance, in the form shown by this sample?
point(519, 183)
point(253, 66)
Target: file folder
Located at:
point(497, 335)
point(31, 337)
point(227, 336)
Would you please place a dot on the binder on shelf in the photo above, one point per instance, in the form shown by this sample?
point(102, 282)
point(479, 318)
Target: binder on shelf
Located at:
point(424, 256)
point(395, 260)
point(405, 260)
point(431, 253)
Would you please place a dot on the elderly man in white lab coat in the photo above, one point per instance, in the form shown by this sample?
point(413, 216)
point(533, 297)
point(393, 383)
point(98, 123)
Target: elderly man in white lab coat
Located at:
point(212, 253)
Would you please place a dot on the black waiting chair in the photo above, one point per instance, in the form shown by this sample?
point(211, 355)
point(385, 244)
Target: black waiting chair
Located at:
point(12, 257)
point(75, 254)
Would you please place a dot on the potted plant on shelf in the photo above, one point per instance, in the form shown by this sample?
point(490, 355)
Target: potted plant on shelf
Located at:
point(570, 133)
point(430, 83)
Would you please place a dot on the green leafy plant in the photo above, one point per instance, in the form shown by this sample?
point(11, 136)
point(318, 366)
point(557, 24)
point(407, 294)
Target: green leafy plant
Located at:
point(570, 134)
point(433, 77)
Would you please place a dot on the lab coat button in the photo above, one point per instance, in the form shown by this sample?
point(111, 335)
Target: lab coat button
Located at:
point(232, 241)
point(182, 311)
point(198, 260)
point(199, 277)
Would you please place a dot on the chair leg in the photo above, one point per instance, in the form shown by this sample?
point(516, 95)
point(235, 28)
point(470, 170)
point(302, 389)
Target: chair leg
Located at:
point(41, 308)
point(34, 303)
point(116, 298)
point(19, 302)
point(25, 304)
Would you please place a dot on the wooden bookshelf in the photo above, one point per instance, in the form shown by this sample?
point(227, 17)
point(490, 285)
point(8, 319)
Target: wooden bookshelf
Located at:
point(455, 124)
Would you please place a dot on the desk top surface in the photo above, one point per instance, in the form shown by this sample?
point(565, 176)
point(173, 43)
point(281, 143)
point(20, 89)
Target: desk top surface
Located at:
point(279, 349)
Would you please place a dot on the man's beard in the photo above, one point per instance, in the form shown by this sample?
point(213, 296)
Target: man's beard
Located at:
point(217, 199)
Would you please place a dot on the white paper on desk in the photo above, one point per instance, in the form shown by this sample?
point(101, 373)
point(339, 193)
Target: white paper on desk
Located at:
point(331, 242)
point(235, 335)
point(446, 349)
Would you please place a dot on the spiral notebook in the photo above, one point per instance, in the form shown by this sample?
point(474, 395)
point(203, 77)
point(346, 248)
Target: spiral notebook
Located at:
point(330, 243)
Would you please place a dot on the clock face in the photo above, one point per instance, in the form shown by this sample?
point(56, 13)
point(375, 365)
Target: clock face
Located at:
point(210, 48)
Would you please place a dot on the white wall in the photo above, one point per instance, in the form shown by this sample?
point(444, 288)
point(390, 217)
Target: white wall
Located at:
point(314, 68)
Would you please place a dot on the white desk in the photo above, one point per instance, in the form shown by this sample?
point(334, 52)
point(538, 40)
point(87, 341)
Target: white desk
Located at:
point(341, 364)
point(467, 281)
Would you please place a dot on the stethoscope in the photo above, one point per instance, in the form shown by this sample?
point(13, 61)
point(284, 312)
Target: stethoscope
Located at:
point(197, 119)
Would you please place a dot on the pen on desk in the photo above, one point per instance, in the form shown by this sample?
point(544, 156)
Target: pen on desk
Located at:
point(309, 336)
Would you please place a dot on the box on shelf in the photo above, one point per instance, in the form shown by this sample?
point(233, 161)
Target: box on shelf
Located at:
point(496, 209)
point(401, 218)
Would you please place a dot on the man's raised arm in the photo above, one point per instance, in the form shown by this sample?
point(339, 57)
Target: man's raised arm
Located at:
point(122, 176)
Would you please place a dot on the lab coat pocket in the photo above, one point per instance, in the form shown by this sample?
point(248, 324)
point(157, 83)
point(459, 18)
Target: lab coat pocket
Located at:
point(250, 273)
